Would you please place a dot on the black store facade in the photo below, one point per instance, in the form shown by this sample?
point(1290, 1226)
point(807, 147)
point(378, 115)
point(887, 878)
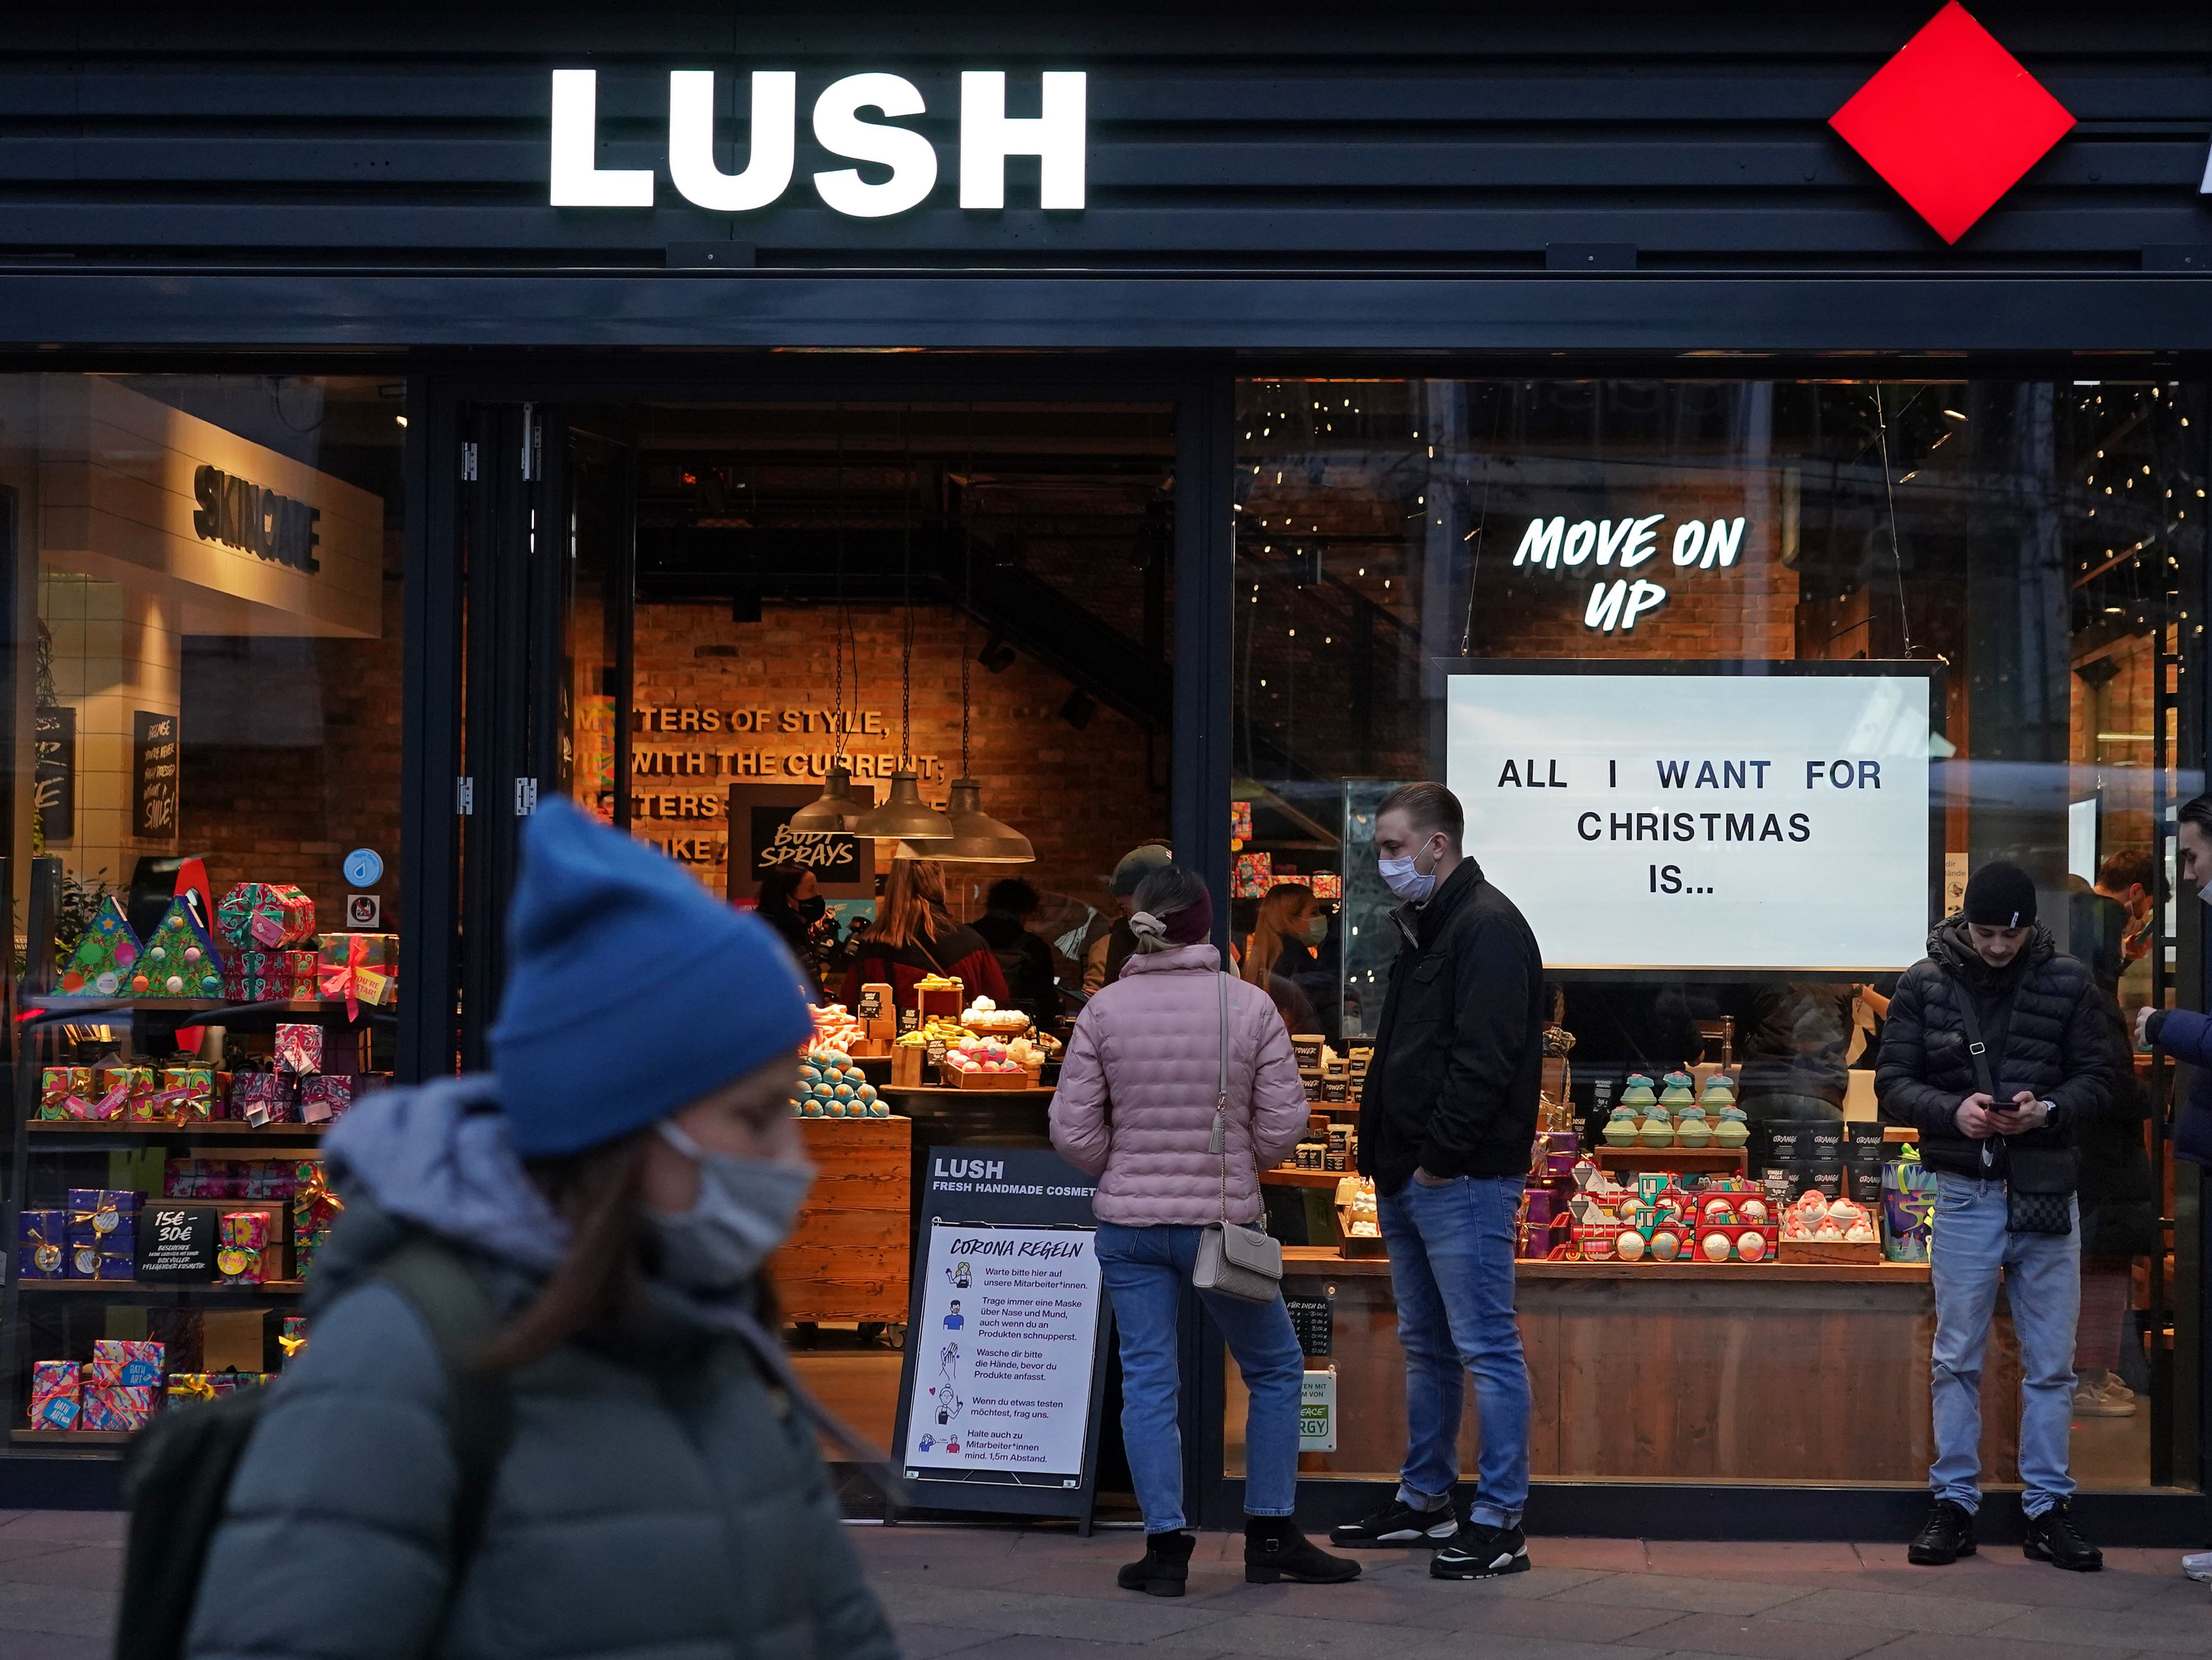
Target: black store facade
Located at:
point(1189, 424)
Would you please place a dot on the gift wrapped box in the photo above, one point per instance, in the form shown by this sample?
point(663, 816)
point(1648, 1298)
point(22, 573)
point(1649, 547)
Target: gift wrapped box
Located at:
point(116, 1406)
point(106, 956)
point(180, 960)
point(324, 1096)
point(265, 1098)
point(359, 968)
point(299, 1049)
point(95, 1212)
point(186, 1386)
point(59, 1087)
point(294, 1337)
point(262, 1178)
point(135, 1085)
point(263, 916)
point(42, 1245)
point(314, 1208)
point(274, 976)
point(57, 1394)
point(125, 1361)
point(243, 1241)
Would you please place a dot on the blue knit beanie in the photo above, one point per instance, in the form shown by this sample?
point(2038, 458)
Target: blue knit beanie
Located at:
point(630, 991)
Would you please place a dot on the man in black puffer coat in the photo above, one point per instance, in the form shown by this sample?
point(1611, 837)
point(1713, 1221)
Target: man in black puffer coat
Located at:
point(1998, 1147)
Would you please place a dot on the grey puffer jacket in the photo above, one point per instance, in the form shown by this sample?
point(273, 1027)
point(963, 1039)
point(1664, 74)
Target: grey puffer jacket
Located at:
point(660, 1499)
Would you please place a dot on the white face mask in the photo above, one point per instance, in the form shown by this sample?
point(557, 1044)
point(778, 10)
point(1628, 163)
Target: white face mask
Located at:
point(746, 1208)
point(1404, 878)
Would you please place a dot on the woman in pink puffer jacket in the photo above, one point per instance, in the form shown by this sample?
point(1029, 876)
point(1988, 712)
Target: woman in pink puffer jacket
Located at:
point(1135, 1106)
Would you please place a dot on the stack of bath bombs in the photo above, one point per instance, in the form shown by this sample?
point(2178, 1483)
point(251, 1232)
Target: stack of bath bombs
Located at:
point(830, 1087)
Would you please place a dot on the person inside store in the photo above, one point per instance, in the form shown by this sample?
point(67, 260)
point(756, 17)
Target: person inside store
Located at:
point(1447, 1126)
point(1997, 1051)
point(1178, 1088)
point(2186, 1035)
point(1286, 933)
point(1024, 959)
point(1111, 942)
point(638, 1470)
point(1796, 1038)
point(915, 936)
point(791, 902)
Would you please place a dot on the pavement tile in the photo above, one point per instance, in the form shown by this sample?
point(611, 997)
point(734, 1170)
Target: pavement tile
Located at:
point(1740, 1558)
point(68, 1610)
point(1134, 1619)
point(45, 1646)
point(1486, 1617)
point(1610, 1555)
point(919, 1642)
point(1068, 1648)
point(2161, 1630)
point(1769, 1639)
point(1946, 1645)
point(98, 1567)
point(1278, 1636)
point(72, 1527)
point(1657, 1590)
point(14, 1549)
point(1899, 1610)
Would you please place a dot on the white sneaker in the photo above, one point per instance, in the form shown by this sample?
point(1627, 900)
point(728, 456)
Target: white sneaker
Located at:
point(2093, 1401)
point(2199, 1567)
point(2116, 1389)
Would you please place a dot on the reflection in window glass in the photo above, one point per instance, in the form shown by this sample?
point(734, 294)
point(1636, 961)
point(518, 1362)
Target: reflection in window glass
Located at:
point(1960, 612)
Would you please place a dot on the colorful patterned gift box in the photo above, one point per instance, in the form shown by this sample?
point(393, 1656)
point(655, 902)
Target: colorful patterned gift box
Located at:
point(186, 1386)
point(294, 1337)
point(264, 916)
point(180, 960)
point(57, 1394)
point(125, 1360)
point(243, 1242)
point(60, 1086)
point(126, 1407)
point(187, 1095)
point(359, 968)
point(314, 1208)
point(137, 1083)
point(264, 1097)
point(324, 1096)
point(299, 1049)
point(42, 1245)
point(103, 1233)
point(274, 976)
point(106, 956)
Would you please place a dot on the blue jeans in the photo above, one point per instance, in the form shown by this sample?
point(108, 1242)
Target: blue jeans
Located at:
point(1147, 1271)
point(2043, 1282)
point(1451, 1270)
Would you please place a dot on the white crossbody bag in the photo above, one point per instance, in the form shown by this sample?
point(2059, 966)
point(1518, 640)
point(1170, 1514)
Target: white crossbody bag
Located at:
point(1233, 1259)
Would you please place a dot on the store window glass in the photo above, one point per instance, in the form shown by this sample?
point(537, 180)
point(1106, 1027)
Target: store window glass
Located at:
point(1737, 681)
point(203, 600)
point(762, 595)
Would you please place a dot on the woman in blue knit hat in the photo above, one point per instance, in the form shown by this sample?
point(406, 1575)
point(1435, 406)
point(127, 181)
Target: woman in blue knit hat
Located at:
point(541, 1414)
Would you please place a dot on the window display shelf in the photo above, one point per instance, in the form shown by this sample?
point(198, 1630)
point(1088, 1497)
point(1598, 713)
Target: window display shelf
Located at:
point(58, 1003)
point(137, 1291)
point(222, 1130)
point(1315, 1259)
point(1303, 1178)
point(87, 1438)
point(1671, 1159)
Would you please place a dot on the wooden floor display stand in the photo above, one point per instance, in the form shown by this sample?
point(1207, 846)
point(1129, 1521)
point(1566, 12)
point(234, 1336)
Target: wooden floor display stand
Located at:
point(847, 1259)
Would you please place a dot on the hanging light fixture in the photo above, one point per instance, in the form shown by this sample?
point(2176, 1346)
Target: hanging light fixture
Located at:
point(904, 816)
point(977, 838)
point(837, 810)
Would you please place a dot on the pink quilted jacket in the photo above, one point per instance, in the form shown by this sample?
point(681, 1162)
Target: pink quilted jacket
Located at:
point(1135, 1102)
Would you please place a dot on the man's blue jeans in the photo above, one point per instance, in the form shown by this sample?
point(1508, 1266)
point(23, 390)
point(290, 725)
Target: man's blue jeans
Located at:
point(2043, 1282)
point(1147, 1271)
point(1451, 1268)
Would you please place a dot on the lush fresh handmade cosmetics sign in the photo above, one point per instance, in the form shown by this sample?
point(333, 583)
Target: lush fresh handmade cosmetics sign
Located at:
point(1701, 821)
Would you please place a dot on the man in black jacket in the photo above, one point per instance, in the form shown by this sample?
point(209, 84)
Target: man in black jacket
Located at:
point(1998, 1051)
point(1447, 1123)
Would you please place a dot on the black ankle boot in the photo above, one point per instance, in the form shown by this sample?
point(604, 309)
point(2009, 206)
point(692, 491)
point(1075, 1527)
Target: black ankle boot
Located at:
point(1275, 1549)
point(1165, 1567)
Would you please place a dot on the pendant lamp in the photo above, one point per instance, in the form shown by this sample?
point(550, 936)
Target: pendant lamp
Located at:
point(978, 838)
point(905, 817)
point(836, 809)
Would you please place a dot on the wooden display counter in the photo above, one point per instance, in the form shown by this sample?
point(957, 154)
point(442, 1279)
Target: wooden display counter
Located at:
point(1687, 1372)
point(847, 1259)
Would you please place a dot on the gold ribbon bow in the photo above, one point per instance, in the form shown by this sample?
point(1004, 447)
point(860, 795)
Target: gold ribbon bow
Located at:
point(314, 1192)
point(355, 979)
point(191, 1386)
point(291, 1345)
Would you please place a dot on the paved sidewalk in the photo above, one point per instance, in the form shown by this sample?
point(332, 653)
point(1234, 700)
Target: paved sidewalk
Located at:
point(1042, 1595)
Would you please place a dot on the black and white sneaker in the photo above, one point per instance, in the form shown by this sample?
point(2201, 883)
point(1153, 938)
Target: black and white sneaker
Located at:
point(1477, 1551)
point(1398, 1524)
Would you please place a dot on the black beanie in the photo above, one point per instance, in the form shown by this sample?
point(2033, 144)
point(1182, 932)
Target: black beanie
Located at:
point(2001, 896)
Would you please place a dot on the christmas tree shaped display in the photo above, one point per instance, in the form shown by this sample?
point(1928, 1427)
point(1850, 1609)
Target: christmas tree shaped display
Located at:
point(180, 959)
point(101, 965)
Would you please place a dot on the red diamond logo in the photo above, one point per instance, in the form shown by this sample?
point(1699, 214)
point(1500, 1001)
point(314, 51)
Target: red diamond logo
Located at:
point(1952, 122)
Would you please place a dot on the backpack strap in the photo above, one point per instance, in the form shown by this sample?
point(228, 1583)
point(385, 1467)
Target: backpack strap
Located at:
point(479, 1406)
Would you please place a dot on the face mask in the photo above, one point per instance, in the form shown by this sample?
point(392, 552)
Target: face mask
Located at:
point(1400, 876)
point(745, 1209)
point(811, 909)
point(1316, 930)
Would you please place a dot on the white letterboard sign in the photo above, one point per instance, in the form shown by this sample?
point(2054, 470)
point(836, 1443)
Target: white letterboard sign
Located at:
point(1693, 821)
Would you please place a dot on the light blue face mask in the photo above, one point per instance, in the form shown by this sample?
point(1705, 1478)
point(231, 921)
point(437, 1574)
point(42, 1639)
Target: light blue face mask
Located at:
point(747, 1208)
point(1400, 876)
